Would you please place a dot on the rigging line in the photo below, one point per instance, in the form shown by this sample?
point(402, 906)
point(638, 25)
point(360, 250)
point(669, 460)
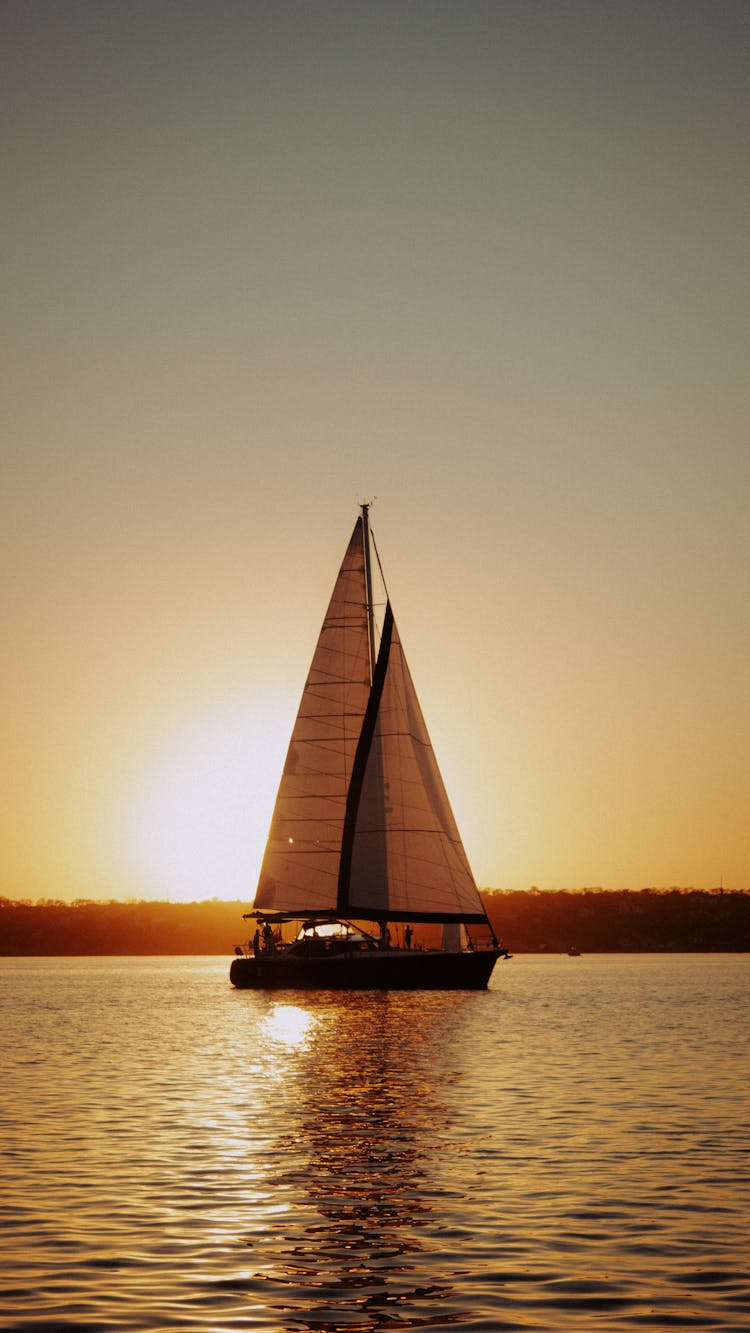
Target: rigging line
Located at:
point(380, 567)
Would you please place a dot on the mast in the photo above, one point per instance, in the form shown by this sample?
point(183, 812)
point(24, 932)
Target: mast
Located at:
point(368, 585)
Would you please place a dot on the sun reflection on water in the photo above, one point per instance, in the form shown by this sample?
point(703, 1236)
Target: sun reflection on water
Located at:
point(288, 1026)
point(355, 1162)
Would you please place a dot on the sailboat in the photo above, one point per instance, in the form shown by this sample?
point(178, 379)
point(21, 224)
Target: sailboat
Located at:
point(364, 883)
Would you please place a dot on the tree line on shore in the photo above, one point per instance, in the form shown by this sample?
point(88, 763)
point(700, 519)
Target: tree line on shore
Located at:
point(528, 921)
point(621, 921)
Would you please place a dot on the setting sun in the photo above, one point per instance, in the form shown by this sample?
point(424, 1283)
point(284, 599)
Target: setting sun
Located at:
point(198, 820)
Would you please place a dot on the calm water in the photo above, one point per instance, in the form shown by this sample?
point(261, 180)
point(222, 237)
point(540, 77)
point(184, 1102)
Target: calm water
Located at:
point(568, 1151)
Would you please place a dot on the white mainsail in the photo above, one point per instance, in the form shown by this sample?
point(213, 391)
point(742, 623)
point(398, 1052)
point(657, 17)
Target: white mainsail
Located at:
point(362, 825)
point(301, 864)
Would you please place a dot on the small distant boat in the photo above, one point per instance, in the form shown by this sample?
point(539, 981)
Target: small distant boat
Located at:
point(573, 952)
point(363, 845)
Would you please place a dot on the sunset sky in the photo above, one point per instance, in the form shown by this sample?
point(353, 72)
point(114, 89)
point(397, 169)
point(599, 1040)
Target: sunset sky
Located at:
point(484, 263)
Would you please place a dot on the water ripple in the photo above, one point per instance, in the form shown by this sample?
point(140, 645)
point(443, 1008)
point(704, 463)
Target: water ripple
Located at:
point(565, 1152)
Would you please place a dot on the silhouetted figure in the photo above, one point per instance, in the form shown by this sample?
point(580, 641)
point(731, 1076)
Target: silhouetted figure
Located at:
point(256, 943)
point(407, 936)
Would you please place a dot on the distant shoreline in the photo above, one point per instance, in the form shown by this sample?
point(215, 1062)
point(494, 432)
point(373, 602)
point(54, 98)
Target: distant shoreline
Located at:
point(517, 953)
point(532, 921)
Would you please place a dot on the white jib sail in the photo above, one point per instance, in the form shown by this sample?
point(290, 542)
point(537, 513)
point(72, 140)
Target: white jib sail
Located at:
point(407, 854)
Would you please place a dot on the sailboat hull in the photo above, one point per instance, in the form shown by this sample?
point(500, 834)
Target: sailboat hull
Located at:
point(380, 970)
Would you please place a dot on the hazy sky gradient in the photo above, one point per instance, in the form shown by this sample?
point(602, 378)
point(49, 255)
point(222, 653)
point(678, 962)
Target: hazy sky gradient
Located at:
point(487, 262)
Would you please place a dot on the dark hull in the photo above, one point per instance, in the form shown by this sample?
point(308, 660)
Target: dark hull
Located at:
point(386, 970)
